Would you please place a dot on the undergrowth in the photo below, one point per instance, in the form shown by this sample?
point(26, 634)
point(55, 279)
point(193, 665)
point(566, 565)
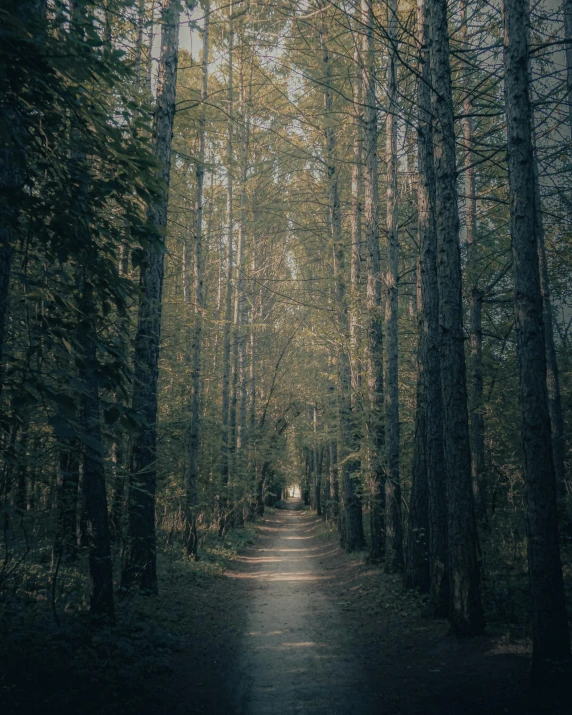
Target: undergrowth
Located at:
point(54, 659)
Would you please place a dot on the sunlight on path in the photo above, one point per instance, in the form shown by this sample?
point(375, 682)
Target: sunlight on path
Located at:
point(296, 656)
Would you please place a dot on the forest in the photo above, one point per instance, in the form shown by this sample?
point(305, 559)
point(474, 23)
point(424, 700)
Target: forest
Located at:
point(285, 353)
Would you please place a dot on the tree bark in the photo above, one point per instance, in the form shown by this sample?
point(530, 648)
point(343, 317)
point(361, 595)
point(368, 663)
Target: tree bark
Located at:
point(354, 538)
point(417, 574)
point(466, 610)
point(393, 526)
point(117, 502)
point(431, 416)
point(333, 480)
point(550, 624)
point(98, 535)
point(149, 58)
point(374, 361)
point(567, 10)
point(139, 41)
point(140, 564)
point(67, 497)
point(475, 294)
point(226, 351)
point(12, 170)
point(356, 233)
point(317, 465)
point(197, 336)
point(552, 373)
point(238, 402)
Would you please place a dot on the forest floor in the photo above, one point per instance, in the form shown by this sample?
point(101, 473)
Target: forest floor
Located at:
point(298, 626)
point(275, 619)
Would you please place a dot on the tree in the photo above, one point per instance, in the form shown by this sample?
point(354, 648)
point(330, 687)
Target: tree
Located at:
point(140, 565)
point(198, 290)
point(551, 641)
point(393, 527)
point(429, 465)
point(352, 504)
point(464, 571)
point(376, 426)
point(226, 355)
point(27, 14)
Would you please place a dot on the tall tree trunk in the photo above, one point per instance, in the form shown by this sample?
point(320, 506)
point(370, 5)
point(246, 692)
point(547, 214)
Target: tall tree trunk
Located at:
point(98, 535)
point(238, 402)
point(116, 514)
point(139, 41)
point(67, 497)
point(430, 420)
point(357, 185)
point(375, 423)
point(317, 465)
point(226, 363)
point(333, 481)
point(476, 422)
point(417, 574)
point(552, 373)
point(12, 168)
point(354, 538)
point(567, 10)
point(466, 610)
point(197, 337)
point(550, 624)
point(393, 526)
point(149, 58)
point(120, 448)
point(140, 564)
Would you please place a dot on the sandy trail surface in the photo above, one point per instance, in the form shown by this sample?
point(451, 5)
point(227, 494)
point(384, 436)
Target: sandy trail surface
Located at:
point(296, 654)
point(296, 625)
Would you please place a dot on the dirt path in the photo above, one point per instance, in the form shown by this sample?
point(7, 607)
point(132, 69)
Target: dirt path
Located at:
point(299, 626)
point(296, 655)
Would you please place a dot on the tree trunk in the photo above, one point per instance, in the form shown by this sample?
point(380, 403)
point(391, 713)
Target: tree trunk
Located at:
point(550, 624)
point(67, 498)
point(466, 609)
point(140, 565)
point(120, 448)
point(567, 10)
point(354, 539)
point(375, 422)
point(417, 574)
point(149, 58)
point(116, 514)
point(552, 373)
point(393, 526)
point(238, 402)
point(333, 481)
point(226, 352)
point(139, 41)
point(12, 172)
point(475, 294)
point(356, 212)
point(431, 417)
point(317, 465)
point(98, 535)
point(194, 430)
